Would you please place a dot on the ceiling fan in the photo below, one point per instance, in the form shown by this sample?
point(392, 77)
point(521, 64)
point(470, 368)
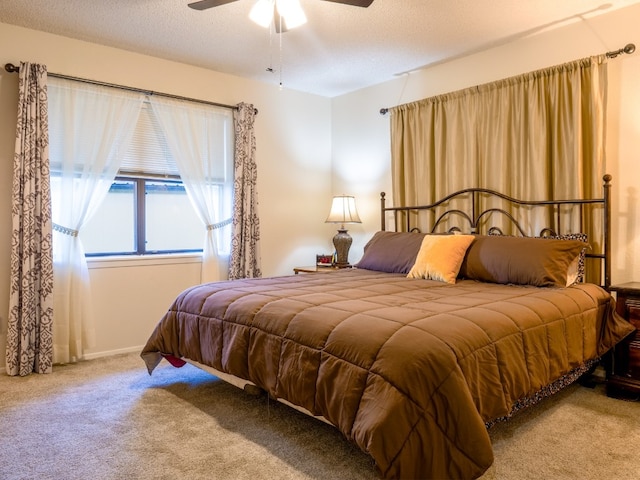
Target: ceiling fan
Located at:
point(284, 14)
point(205, 4)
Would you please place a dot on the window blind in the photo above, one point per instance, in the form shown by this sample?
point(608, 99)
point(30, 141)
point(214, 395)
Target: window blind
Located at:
point(148, 153)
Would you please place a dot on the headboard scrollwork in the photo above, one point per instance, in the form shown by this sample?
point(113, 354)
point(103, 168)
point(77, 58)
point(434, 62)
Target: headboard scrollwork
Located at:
point(485, 211)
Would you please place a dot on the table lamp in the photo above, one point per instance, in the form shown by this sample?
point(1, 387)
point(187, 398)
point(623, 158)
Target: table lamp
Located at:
point(343, 210)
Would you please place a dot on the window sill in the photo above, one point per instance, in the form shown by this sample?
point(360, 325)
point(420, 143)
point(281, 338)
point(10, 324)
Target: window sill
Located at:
point(123, 261)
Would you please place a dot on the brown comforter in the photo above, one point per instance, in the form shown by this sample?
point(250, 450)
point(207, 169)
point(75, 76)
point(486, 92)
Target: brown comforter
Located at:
point(410, 370)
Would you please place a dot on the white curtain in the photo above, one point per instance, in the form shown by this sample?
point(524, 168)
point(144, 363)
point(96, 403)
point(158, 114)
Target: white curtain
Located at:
point(200, 138)
point(90, 127)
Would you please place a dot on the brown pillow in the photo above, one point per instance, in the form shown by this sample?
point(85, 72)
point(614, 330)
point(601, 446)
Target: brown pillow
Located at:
point(576, 269)
point(391, 252)
point(578, 274)
point(539, 262)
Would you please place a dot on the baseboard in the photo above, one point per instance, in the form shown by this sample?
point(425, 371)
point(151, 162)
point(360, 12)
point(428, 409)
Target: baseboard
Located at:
point(94, 355)
point(109, 353)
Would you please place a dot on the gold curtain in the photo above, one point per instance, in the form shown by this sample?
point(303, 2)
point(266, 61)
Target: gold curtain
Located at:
point(536, 136)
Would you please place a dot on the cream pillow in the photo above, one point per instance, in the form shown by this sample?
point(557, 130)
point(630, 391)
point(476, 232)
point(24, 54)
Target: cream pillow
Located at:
point(573, 272)
point(440, 257)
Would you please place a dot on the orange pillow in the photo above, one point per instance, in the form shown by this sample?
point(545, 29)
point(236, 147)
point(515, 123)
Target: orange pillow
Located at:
point(440, 257)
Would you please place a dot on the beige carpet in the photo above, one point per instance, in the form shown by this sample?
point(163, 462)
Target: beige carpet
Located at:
point(107, 419)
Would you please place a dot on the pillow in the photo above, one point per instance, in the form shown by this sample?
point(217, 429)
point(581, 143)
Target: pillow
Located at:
point(540, 262)
point(575, 272)
point(440, 257)
point(576, 269)
point(573, 275)
point(391, 252)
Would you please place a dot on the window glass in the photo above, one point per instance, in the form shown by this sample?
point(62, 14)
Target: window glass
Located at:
point(171, 221)
point(112, 229)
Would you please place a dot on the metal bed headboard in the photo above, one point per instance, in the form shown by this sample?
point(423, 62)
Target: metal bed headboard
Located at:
point(406, 217)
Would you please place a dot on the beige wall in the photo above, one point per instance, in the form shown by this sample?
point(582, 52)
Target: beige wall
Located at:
point(360, 135)
point(293, 134)
point(310, 148)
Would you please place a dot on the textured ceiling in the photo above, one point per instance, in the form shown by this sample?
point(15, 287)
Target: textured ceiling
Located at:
point(341, 48)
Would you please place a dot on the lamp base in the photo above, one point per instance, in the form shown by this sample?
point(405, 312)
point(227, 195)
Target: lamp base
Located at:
point(342, 242)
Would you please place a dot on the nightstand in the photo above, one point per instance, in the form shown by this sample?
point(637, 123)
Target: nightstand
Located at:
point(625, 378)
point(315, 269)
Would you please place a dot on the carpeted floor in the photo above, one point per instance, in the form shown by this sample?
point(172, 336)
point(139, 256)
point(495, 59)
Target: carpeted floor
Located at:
point(108, 419)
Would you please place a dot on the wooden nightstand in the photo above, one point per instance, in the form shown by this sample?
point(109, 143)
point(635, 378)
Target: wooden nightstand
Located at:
point(625, 378)
point(314, 269)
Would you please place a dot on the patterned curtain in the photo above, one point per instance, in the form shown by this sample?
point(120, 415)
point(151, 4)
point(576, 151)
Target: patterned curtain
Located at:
point(30, 323)
point(245, 254)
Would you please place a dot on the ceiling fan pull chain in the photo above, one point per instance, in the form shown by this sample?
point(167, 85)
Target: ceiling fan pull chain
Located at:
point(270, 68)
point(280, 52)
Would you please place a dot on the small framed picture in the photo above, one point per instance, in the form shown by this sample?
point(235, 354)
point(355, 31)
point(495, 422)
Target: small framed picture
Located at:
point(324, 260)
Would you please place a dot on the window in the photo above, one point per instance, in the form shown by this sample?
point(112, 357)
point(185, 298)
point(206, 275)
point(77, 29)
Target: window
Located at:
point(143, 216)
point(147, 209)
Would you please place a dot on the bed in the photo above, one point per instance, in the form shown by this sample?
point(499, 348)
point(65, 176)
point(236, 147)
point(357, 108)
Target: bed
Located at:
point(435, 336)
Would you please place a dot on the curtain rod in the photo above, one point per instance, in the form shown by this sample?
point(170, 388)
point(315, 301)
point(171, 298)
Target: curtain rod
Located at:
point(629, 48)
point(11, 68)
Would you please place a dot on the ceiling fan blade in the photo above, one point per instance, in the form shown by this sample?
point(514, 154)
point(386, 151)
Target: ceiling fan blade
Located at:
point(204, 4)
point(354, 3)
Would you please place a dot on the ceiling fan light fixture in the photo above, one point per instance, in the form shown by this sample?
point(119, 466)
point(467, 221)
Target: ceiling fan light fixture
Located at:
point(290, 11)
point(262, 12)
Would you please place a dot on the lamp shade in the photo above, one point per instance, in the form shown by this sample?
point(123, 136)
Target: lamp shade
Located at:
point(291, 12)
point(262, 12)
point(343, 210)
